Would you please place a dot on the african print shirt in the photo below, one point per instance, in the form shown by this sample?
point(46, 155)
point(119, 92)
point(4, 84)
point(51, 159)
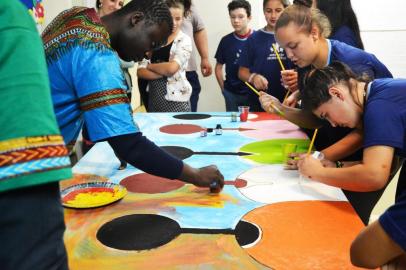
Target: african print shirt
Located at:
point(87, 83)
point(32, 151)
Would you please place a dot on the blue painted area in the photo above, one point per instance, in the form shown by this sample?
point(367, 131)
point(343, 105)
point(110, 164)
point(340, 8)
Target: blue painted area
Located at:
point(101, 160)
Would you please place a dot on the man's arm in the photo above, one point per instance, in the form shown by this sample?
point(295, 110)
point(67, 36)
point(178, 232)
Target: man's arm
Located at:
point(201, 42)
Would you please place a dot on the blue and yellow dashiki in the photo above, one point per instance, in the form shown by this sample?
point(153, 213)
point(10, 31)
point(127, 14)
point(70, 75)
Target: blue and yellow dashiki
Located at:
point(87, 83)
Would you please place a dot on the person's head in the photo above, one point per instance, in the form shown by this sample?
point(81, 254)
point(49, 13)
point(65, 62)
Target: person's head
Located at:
point(272, 11)
point(340, 13)
point(105, 7)
point(299, 30)
point(240, 15)
point(177, 12)
point(330, 93)
point(140, 26)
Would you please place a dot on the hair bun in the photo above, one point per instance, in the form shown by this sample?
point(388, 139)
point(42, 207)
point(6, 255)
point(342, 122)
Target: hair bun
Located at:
point(306, 3)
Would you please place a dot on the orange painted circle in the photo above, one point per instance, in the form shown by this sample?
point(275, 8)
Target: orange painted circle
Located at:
point(298, 235)
point(181, 129)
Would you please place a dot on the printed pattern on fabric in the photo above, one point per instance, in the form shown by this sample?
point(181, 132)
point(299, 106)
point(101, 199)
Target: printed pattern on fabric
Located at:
point(27, 155)
point(78, 26)
point(103, 98)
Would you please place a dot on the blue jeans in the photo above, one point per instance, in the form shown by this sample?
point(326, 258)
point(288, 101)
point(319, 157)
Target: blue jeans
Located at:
point(31, 229)
point(234, 100)
point(193, 79)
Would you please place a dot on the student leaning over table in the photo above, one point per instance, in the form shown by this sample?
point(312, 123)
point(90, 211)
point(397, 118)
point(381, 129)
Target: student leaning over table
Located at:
point(301, 30)
point(33, 156)
point(87, 83)
point(333, 93)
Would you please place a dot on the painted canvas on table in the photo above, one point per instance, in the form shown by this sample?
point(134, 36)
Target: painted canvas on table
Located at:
point(36, 9)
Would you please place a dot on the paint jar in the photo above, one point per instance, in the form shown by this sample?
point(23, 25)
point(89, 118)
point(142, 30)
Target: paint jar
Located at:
point(318, 155)
point(287, 149)
point(233, 117)
point(243, 110)
point(203, 133)
point(219, 130)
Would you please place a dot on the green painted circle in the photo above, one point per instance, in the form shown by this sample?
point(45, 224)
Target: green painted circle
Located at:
point(270, 151)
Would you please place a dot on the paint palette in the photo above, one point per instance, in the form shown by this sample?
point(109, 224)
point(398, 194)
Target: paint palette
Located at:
point(93, 194)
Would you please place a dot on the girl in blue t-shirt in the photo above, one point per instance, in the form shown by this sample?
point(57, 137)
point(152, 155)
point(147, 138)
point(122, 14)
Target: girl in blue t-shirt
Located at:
point(258, 62)
point(333, 93)
point(302, 31)
point(344, 23)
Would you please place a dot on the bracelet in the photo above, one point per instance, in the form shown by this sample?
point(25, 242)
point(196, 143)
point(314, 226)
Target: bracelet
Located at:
point(251, 77)
point(339, 164)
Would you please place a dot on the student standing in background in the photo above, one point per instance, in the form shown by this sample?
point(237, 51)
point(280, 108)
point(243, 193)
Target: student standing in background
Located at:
point(169, 90)
point(235, 92)
point(258, 62)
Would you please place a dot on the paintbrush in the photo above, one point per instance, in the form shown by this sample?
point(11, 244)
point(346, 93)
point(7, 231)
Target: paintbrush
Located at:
point(272, 105)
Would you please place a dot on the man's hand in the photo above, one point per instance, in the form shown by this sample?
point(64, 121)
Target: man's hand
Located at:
point(205, 67)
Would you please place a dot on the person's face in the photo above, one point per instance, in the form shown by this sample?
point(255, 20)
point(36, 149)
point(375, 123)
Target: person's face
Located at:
point(109, 6)
point(177, 17)
point(340, 110)
point(134, 41)
point(272, 11)
point(239, 20)
point(299, 46)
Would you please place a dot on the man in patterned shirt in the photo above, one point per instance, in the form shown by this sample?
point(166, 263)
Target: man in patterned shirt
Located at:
point(87, 83)
point(33, 156)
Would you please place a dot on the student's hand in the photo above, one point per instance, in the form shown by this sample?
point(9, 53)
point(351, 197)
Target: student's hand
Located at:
point(211, 177)
point(293, 159)
point(260, 82)
point(292, 100)
point(266, 100)
point(289, 79)
point(309, 166)
point(205, 67)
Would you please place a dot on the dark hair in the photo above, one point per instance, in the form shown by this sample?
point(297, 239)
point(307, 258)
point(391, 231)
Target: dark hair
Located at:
point(98, 4)
point(187, 5)
point(175, 4)
point(306, 3)
point(317, 83)
point(285, 3)
point(240, 4)
point(155, 11)
point(340, 13)
point(305, 17)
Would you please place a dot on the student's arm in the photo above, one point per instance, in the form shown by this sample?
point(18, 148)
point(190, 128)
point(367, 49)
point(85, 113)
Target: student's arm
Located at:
point(373, 248)
point(166, 69)
point(369, 175)
point(344, 147)
point(145, 155)
point(296, 116)
point(256, 80)
point(200, 38)
point(144, 73)
point(218, 71)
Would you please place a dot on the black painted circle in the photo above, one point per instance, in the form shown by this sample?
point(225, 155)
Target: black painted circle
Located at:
point(246, 233)
point(138, 232)
point(178, 151)
point(192, 116)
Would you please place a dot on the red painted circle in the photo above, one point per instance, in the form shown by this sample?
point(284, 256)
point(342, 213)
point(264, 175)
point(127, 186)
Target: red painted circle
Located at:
point(181, 129)
point(147, 183)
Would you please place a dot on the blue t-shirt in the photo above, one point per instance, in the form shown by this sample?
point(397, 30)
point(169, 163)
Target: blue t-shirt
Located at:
point(361, 63)
point(259, 57)
point(228, 54)
point(385, 115)
point(393, 221)
point(345, 35)
point(87, 83)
